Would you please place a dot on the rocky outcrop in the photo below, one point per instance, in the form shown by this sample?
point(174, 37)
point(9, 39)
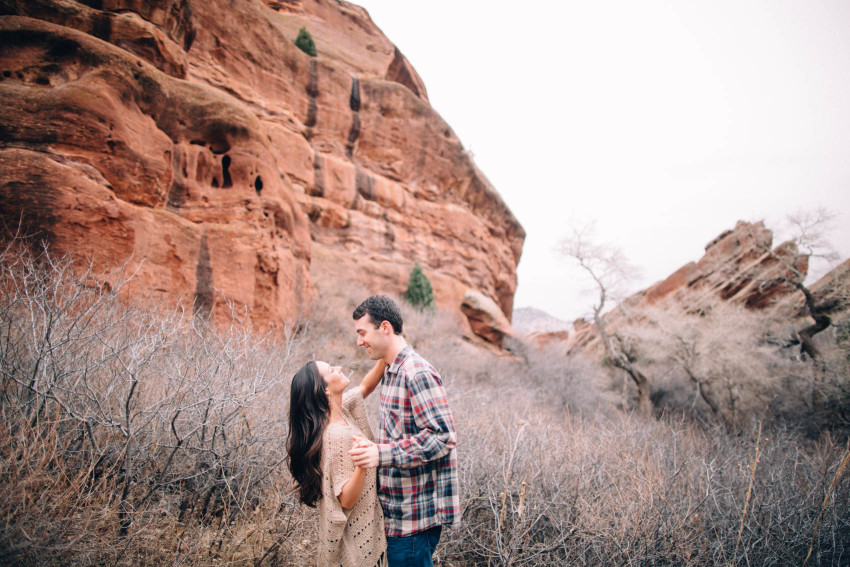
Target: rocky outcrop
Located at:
point(236, 171)
point(486, 318)
point(546, 339)
point(740, 265)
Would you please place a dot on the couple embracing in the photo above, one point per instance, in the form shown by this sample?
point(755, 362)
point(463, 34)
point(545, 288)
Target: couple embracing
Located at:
point(384, 500)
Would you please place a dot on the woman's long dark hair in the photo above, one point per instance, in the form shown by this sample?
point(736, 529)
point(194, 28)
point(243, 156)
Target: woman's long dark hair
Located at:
point(308, 414)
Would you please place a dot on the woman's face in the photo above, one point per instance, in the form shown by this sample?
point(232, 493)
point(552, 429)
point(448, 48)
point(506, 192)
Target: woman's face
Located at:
point(335, 381)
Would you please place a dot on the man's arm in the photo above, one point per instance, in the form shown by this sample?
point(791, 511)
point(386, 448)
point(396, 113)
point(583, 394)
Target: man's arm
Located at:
point(433, 419)
point(431, 414)
point(372, 379)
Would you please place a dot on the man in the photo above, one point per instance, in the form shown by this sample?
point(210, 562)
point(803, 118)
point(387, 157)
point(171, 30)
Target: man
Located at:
point(415, 449)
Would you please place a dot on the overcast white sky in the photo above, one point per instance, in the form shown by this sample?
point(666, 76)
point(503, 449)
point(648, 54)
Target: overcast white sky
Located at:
point(665, 122)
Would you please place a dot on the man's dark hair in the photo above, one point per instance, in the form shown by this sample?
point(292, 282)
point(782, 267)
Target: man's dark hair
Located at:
point(381, 308)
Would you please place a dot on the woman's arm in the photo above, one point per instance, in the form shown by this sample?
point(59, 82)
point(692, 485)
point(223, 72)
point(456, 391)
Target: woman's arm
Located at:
point(352, 489)
point(371, 380)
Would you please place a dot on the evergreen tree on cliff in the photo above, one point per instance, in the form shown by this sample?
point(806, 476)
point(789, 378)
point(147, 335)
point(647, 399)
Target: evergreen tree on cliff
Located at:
point(305, 42)
point(419, 292)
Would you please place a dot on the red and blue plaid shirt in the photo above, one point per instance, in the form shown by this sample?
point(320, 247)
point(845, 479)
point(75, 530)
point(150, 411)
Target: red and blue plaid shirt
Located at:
point(417, 474)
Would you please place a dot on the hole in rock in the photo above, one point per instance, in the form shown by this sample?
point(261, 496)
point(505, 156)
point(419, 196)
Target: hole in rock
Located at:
point(258, 184)
point(225, 172)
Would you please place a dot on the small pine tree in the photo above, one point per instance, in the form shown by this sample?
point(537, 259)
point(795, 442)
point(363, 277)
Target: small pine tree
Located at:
point(305, 42)
point(419, 292)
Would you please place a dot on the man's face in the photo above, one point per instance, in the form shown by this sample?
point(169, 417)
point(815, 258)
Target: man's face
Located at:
point(373, 339)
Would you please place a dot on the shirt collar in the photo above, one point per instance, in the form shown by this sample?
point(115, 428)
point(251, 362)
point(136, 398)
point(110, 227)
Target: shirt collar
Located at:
point(402, 354)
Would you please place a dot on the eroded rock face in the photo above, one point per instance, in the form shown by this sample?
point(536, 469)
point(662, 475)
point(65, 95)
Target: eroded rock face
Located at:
point(195, 136)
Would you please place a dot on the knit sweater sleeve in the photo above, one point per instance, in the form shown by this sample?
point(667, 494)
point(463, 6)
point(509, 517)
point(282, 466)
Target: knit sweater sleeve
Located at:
point(340, 465)
point(351, 398)
point(354, 408)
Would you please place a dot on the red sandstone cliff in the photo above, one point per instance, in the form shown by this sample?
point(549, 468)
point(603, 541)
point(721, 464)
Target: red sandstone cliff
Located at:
point(195, 136)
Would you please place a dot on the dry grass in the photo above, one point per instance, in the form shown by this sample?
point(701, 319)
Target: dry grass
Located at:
point(137, 436)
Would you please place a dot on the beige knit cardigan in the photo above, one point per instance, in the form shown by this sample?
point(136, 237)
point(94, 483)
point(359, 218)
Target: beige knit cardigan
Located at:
point(355, 537)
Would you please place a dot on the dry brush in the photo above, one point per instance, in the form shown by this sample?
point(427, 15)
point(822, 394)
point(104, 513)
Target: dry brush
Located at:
point(137, 435)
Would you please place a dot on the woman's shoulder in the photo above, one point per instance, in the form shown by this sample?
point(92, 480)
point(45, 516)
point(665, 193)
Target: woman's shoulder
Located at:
point(352, 397)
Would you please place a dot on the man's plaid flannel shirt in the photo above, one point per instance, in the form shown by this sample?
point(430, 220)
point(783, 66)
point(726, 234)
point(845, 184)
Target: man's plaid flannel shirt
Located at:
point(417, 474)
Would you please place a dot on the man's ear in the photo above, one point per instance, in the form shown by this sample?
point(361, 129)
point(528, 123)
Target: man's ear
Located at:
point(385, 327)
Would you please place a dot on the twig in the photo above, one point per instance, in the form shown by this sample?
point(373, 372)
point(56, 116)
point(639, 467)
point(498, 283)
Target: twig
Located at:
point(753, 467)
point(840, 470)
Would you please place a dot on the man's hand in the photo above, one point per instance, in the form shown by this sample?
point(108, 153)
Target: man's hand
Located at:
point(364, 453)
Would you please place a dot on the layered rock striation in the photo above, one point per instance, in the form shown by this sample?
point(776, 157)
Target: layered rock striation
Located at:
point(193, 141)
point(740, 265)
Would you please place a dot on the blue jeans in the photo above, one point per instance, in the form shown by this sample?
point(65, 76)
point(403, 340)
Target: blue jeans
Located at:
point(414, 550)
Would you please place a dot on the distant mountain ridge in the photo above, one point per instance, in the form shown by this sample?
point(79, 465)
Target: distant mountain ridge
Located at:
point(527, 320)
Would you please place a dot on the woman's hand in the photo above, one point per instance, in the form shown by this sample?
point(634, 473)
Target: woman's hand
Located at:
point(352, 489)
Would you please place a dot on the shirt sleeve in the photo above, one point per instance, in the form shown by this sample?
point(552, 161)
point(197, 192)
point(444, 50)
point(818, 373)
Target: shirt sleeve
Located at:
point(435, 436)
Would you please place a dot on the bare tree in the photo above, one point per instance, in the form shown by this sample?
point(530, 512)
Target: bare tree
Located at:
point(808, 238)
point(609, 269)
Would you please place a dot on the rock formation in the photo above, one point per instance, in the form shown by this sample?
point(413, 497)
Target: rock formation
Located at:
point(740, 265)
point(486, 318)
point(194, 138)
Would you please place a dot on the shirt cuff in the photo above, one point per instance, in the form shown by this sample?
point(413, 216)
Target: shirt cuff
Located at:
point(385, 454)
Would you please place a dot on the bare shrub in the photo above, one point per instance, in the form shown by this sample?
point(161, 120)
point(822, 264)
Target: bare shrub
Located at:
point(575, 382)
point(120, 420)
point(134, 435)
point(546, 489)
point(721, 361)
point(717, 353)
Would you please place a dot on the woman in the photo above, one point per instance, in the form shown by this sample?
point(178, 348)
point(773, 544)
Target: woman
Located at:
point(323, 422)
